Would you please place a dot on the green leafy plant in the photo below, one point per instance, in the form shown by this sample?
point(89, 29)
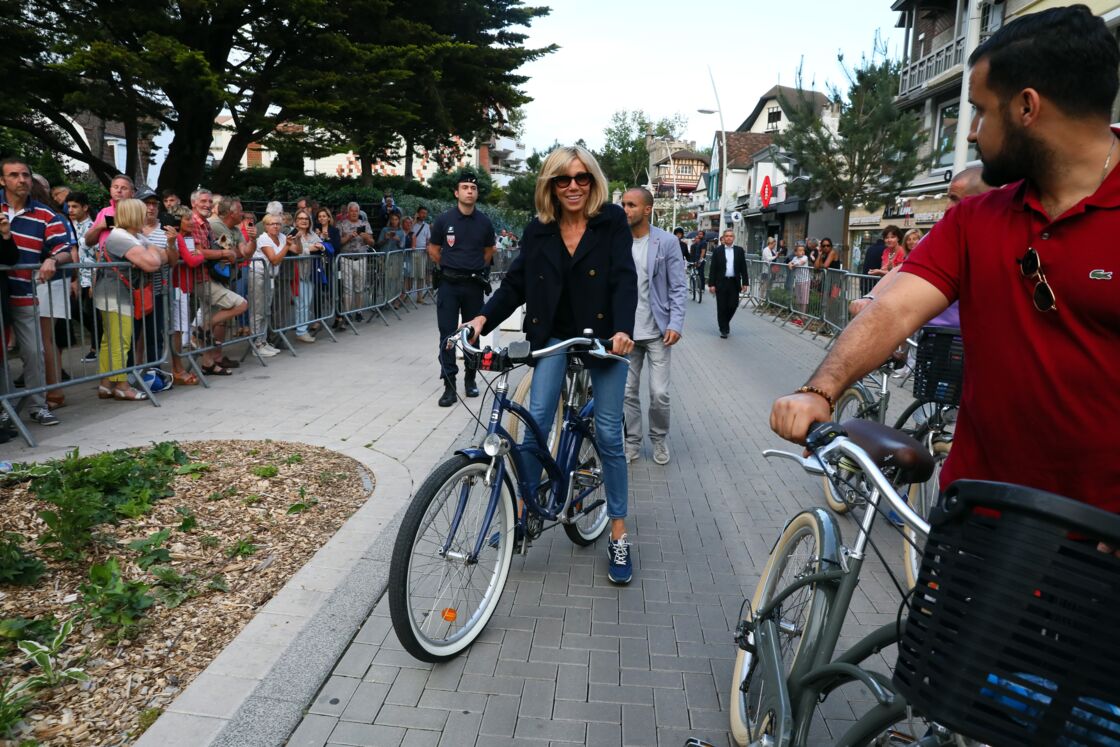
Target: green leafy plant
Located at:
point(84, 491)
point(218, 583)
point(174, 588)
point(16, 565)
point(189, 522)
point(219, 495)
point(146, 718)
point(209, 540)
point(242, 549)
point(194, 469)
point(294, 459)
point(46, 658)
point(151, 549)
point(14, 629)
point(301, 506)
point(112, 602)
point(252, 499)
point(14, 701)
point(266, 471)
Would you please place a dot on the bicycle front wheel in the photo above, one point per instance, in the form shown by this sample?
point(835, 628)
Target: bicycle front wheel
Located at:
point(440, 602)
point(798, 551)
point(922, 497)
point(589, 489)
point(853, 403)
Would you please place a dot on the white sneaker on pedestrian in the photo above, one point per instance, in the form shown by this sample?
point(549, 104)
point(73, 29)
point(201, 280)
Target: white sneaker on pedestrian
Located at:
point(661, 452)
point(632, 453)
point(305, 337)
point(265, 350)
point(273, 350)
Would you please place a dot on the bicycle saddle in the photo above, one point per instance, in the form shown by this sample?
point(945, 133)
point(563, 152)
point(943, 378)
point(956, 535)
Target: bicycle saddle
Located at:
point(891, 448)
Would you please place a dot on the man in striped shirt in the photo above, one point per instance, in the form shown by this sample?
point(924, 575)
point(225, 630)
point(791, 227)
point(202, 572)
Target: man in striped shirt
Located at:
point(43, 239)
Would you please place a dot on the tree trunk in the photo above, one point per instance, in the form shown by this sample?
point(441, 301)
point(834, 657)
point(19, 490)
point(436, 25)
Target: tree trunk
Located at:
point(186, 155)
point(231, 159)
point(846, 253)
point(409, 152)
point(132, 147)
point(367, 170)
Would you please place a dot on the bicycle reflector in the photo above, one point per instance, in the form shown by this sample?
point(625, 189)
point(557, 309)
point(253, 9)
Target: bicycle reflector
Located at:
point(487, 361)
point(449, 614)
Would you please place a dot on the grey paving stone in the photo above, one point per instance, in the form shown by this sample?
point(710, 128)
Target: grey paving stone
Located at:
point(605, 735)
point(356, 661)
point(570, 710)
point(313, 731)
point(365, 703)
point(446, 676)
point(461, 730)
point(700, 690)
point(453, 701)
point(366, 735)
point(334, 696)
point(671, 680)
point(411, 718)
point(670, 707)
point(528, 670)
point(419, 738)
point(638, 726)
point(500, 717)
point(407, 687)
point(628, 694)
point(537, 699)
point(556, 731)
point(571, 682)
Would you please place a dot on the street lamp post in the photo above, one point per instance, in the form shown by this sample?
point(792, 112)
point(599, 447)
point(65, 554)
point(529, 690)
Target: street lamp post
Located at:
point(673, 173)
point(723, 134)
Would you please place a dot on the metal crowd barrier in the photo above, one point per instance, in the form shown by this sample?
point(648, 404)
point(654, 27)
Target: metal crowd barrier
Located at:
point(819, 305)
point(418, 274)
point(50, 339)
point(301, 297)
point(361, 286)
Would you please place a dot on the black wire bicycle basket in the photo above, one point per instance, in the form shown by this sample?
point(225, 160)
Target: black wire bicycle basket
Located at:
point(1013, 635)
point(940, 366)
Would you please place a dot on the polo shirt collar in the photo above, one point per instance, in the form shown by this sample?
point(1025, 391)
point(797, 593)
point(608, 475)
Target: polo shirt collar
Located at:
point(1107, 195)
point(471, 214)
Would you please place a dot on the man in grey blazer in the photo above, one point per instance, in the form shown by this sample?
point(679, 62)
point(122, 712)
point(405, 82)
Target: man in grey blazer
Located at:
point(658, 323)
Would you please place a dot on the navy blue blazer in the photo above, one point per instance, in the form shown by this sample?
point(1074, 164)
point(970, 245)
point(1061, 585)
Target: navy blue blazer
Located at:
point(604, 284)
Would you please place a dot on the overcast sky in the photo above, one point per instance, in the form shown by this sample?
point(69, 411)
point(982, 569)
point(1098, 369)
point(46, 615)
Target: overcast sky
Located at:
point(654, 55)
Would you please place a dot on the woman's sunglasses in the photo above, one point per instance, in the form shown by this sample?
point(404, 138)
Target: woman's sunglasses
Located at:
point(564, 181)
point(1031, 268)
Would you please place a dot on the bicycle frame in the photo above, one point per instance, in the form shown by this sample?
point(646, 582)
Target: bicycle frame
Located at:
point(816, 673)
point(573, 431)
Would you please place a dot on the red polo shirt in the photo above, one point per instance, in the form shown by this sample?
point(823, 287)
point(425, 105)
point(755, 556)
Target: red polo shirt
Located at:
point(1041, 397)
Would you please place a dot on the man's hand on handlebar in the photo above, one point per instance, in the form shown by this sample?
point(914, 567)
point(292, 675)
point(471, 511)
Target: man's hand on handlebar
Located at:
point(793, 415)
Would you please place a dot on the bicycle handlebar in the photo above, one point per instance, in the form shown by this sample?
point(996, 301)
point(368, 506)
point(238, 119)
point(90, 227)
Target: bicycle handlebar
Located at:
point(597, 347)
point(820, 464)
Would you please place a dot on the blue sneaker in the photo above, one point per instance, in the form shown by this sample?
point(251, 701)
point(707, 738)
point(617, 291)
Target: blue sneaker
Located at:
point(620, 570)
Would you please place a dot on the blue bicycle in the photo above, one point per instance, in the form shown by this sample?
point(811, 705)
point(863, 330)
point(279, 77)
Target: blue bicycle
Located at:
point(457, 539)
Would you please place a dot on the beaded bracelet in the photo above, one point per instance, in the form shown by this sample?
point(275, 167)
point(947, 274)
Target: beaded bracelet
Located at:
point(807, 389)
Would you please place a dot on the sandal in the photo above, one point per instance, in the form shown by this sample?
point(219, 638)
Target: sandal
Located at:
point(215, 369)
point(56, 402)
point(131, 395)
point(227, 362)
point(184, 378)
point(104, 392)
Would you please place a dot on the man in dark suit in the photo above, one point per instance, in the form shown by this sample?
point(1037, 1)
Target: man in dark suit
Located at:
point(727, 277)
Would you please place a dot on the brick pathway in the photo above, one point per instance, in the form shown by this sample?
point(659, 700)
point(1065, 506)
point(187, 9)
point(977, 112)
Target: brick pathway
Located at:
point(569, 658)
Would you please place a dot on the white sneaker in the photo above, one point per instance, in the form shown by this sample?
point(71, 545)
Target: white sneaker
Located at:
point(272, 350)
point(632, 453)
point(661, 452)
point(305, 337)
point(265, 351)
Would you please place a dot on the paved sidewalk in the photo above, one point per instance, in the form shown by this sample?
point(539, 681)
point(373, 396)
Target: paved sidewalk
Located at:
point(570, 658)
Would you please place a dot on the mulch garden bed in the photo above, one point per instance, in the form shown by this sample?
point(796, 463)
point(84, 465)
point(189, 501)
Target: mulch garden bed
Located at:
point(244, 516)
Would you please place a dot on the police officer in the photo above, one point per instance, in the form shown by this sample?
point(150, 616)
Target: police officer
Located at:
point(462, 244)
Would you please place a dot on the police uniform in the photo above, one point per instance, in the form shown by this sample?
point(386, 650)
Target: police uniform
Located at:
point(462, 240)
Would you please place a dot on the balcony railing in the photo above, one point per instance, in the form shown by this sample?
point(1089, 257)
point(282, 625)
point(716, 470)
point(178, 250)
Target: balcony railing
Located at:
point(915, 75)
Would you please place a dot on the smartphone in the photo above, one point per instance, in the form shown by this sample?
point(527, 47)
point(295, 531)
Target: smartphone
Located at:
point(110, 221)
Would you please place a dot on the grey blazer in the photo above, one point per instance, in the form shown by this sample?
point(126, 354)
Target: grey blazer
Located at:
point(668, 285)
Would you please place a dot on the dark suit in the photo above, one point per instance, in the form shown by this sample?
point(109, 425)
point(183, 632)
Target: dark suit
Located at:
point(602, 282)
point(727, 288)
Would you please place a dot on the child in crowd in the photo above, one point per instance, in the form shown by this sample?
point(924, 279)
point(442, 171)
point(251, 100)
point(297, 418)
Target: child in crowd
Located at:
point(799, 265)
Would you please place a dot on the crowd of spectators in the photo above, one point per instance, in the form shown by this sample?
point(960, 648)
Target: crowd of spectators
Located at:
point(215, 270)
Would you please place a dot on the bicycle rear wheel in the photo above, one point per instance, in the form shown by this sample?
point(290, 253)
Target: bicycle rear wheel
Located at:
point(439, 604)
point(797, 551)
point(589, 476)
point(922, 497)
point(853, 403)
point(521, 397)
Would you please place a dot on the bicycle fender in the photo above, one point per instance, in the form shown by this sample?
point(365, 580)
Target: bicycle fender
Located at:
point(473, 453)
point(830, 535)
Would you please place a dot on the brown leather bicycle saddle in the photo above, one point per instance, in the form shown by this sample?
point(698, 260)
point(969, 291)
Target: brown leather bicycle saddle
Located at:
point(889, 448)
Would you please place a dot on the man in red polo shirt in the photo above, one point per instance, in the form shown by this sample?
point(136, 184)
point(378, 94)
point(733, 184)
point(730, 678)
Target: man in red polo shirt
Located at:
point(1039, 289)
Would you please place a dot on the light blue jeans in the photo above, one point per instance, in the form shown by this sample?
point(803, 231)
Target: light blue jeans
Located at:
point(608, 380)
point(303, 302)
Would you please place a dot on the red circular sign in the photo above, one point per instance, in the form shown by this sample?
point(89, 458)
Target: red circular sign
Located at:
point(767, 191)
